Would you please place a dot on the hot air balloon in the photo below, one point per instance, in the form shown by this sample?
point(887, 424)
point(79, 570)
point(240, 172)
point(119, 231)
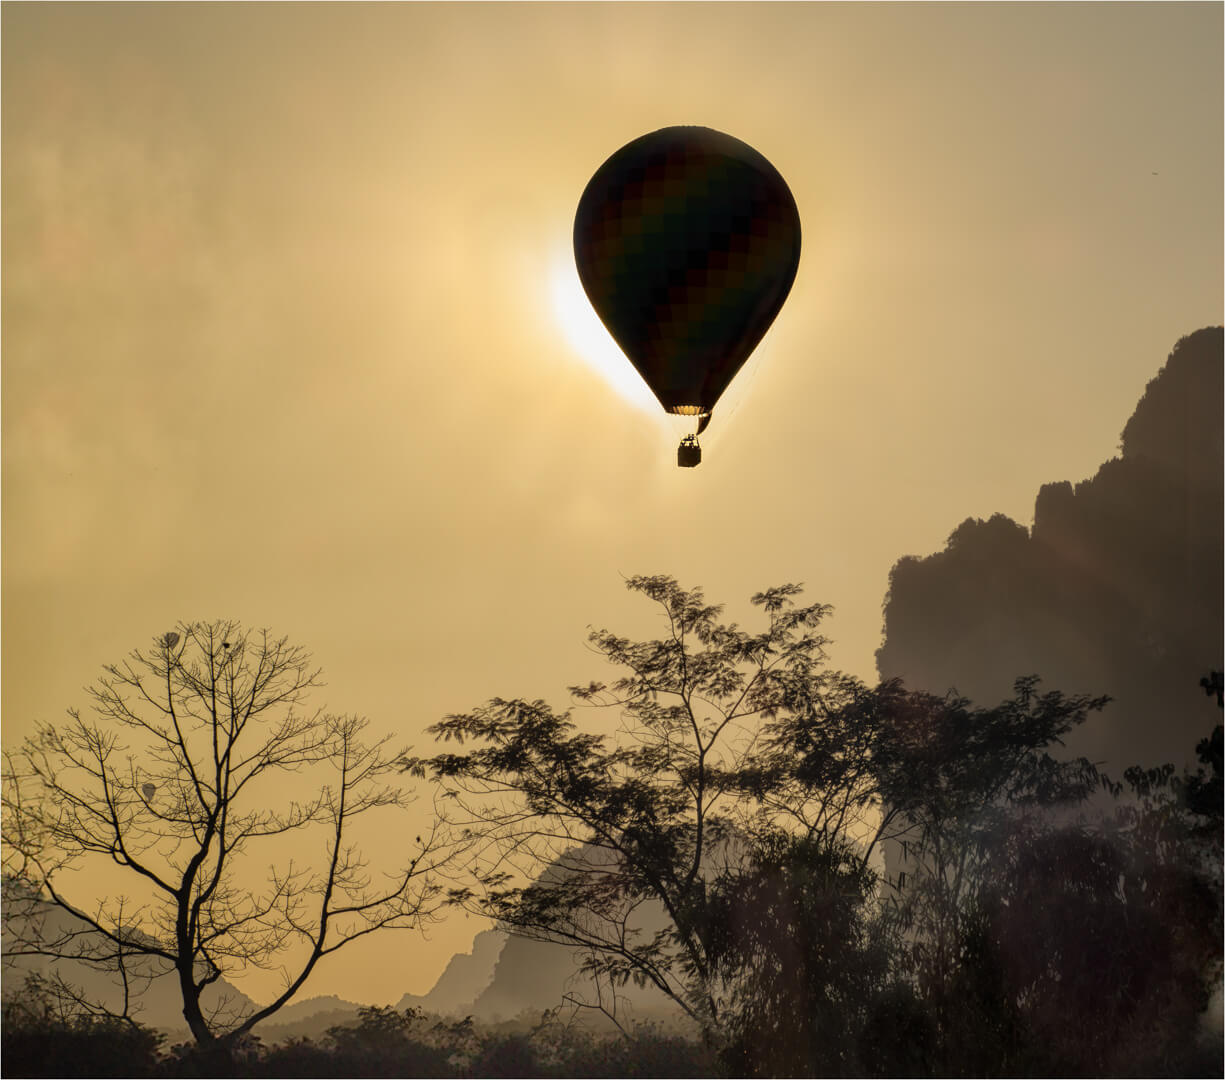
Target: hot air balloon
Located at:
point(687, 242)
point(148, 790)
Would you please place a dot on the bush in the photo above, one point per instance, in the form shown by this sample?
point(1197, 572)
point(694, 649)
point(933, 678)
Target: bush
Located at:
point(42, 1039)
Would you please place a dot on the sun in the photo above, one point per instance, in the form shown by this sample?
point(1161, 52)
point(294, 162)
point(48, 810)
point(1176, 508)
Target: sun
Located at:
point(590, 341)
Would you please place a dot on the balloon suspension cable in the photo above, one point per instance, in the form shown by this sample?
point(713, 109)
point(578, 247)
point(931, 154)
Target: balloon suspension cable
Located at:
point(689, 453)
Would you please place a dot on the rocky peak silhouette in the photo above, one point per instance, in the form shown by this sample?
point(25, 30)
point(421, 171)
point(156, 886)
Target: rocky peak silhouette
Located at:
point(1116, 589)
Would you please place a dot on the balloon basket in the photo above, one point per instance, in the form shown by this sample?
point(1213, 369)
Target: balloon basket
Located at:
point(689, 453)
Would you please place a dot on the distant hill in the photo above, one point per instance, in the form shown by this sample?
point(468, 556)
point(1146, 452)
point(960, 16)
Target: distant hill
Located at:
point(508, 975)
point(309, 1018)
point(1117, 588)
point(501, 978)
point(466, 976)
point(158, 1005)
point(532, 976)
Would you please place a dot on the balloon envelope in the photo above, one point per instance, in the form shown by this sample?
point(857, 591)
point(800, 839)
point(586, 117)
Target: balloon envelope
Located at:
point(687, 242)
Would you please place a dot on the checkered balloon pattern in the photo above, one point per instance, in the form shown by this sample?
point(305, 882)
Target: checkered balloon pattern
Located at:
point(687, 242)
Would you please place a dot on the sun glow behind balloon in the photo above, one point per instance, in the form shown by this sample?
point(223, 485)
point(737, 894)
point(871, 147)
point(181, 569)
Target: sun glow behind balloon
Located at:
point(588, 338)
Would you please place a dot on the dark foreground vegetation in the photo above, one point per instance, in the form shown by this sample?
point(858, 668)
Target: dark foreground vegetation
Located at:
point(39, 1043)
point(822, 877)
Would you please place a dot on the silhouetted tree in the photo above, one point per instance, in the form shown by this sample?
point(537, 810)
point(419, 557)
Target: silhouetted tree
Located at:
point(179, 779)
point(825, 960)
point(643, 832)
point(1043, 939)
point(958, 775)
point(1106, 949)
point(720, 847)
point(1214, 685)
point(801, 943)
point(1204, 793)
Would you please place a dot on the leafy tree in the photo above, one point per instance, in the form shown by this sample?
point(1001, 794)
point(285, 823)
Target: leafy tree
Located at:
point(721, 846)
point(177, 779)
point(642, 831)
point(806, 954)
point(1104, 954)
point(819, 959)
point(1205, 795)
point(954, 776)
point(1044, 939)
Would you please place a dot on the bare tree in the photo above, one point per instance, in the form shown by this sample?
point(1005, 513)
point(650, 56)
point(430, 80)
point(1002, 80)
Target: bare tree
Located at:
point(178, 777)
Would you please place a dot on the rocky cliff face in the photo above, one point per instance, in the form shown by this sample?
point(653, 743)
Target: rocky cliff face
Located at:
point(1116, 589)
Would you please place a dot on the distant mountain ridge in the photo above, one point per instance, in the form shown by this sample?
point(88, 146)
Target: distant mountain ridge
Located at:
point(463, 980)
point(158, 1006)
point(502, 977)
point(1116, 589)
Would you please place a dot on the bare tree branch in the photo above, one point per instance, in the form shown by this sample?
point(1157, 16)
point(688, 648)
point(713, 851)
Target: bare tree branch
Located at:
point(167, 781)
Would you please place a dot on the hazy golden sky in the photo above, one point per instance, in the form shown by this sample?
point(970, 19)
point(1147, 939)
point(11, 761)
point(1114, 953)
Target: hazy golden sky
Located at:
point(289, 332)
